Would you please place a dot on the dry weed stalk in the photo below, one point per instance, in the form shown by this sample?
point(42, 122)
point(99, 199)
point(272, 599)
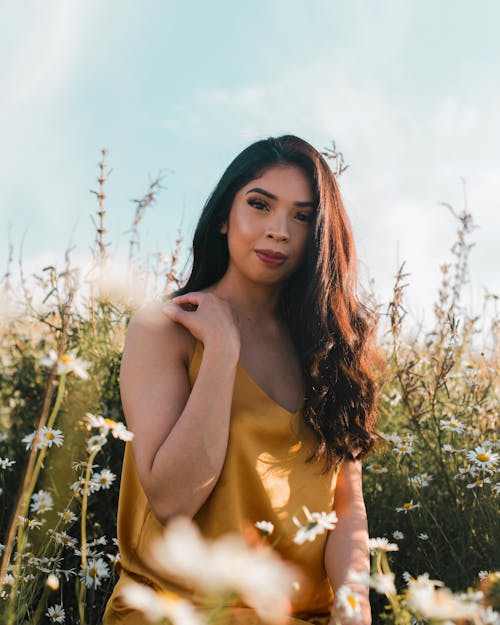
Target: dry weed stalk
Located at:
point(337, 157)
point(101, 196)
point(148, 199)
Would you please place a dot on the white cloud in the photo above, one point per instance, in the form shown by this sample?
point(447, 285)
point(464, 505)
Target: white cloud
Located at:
point(40, 42)
point(405, 160)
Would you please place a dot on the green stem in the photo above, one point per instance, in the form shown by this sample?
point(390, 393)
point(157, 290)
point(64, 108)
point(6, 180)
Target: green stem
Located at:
point(83, 529)
point(41, 606)
point(20, 539)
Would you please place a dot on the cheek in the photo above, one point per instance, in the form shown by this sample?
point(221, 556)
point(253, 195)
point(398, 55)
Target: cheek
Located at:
point(242, 229)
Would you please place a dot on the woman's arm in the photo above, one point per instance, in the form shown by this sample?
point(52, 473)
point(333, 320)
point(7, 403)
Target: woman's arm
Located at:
point(181, 434)
point(347, 544)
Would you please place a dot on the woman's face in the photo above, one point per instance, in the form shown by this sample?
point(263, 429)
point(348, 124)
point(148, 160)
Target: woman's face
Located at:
point(273, 212)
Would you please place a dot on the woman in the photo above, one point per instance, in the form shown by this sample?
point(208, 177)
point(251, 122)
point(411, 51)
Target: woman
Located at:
point(253, 391)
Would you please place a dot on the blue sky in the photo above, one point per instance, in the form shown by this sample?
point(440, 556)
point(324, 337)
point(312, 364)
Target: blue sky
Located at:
point(409, 91)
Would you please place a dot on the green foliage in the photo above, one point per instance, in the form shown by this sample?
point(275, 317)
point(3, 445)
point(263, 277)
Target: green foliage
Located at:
point(434, 380)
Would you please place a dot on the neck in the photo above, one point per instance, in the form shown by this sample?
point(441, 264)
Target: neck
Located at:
point(255, 305)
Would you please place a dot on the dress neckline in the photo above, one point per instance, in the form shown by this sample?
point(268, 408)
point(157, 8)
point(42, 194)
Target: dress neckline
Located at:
point(260, 389)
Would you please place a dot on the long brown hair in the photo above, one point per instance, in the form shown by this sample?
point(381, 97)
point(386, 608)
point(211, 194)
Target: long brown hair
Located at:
point(333, 330)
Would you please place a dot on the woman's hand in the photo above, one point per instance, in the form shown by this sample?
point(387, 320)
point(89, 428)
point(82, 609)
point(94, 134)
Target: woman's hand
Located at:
point(208, 317)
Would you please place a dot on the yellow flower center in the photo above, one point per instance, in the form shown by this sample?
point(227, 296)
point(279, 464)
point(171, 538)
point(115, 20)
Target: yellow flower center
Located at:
point(93, 572)
point(453, 424)
point(66, 358)
point(377, 467)
point(49, 435)
point(352, 601)
point(403, 448)
point(482, 457)
point(110, 422)
point(407, 506)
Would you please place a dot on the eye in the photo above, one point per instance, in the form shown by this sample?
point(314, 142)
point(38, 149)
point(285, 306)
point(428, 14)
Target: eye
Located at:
point(256, 203)
point(307, 217)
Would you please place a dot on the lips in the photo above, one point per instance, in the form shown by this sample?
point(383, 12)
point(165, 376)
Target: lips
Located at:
point(269, 260)
point(272, 254)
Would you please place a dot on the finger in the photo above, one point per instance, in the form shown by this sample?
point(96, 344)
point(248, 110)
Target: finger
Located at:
point(172, 311)
point(193, 296)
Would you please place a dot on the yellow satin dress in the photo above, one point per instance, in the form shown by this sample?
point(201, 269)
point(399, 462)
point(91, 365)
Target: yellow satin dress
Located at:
point(264, 478)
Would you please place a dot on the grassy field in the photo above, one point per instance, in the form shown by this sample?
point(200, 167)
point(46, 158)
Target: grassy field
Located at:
point(431, 490)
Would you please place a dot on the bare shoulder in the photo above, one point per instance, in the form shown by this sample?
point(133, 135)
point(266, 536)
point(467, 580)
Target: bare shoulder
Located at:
point(151, 328)
point(154, 381)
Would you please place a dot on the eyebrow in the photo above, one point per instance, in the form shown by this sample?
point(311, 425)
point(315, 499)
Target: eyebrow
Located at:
point(275, 197)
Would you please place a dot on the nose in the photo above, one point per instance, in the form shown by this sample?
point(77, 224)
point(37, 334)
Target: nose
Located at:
point(278, 230)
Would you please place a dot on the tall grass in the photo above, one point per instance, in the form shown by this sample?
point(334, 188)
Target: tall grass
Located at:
point(432, 489)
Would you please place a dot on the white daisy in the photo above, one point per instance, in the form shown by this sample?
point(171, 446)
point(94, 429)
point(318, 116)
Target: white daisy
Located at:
point(56, 613)
point(381, 544)
point(403, 449)
point(48, 437)
point(479, 483)
point(102, 540)
point(103, 479)
point(67, 573)
point(31, 524)
point(482, 457)
point(452, 425)
point(64, 539)
point(393, 438)
point(406, 507)
point(423, 536)
point(67, 516)
point(483, 574)
point(41, 502)
point(398, 535)
point(317, 523)
point(67, 363)
point(266, 527)
point(118, 430)
point(420, 481)
point(448, 448)
point(95, 443)
point(347, 602)
point(105, 425)
point(5, 463)
point(408, 438)
point(97, 569)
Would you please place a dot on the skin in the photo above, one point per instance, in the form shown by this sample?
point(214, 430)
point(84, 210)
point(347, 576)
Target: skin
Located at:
point(235, 319)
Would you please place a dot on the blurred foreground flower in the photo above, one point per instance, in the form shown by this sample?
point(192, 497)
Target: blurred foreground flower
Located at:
point(383, 583)
point(347, 603)
point(117, 429)
point(160, 605)
point(115, 285)
point(317, 523)
point(257, 575)
point(381, 544)
point(66, 363)
point(438, 603)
